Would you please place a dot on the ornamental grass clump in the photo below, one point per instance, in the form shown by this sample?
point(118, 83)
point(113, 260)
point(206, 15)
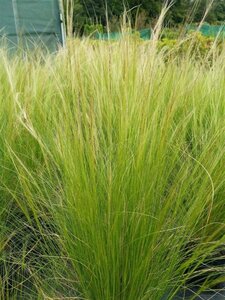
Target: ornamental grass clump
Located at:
point(111, 173)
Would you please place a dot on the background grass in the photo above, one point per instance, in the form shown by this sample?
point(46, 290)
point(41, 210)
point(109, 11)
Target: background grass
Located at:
point(111, 172)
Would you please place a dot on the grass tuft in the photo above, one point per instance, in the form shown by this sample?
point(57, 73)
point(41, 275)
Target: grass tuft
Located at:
point(111, 172)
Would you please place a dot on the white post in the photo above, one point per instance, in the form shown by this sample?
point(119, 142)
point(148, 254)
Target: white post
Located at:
point(62, 21)
point(16, 18)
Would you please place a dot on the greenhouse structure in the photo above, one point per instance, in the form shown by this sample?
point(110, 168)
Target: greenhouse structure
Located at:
point(28, 24)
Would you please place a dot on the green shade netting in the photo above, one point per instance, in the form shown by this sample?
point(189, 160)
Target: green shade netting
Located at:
point(209, 30)
point(144, 34)
point(31, 23)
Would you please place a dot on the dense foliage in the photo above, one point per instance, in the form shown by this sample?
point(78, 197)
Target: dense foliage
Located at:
point(144, 11)
point(112, 179)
